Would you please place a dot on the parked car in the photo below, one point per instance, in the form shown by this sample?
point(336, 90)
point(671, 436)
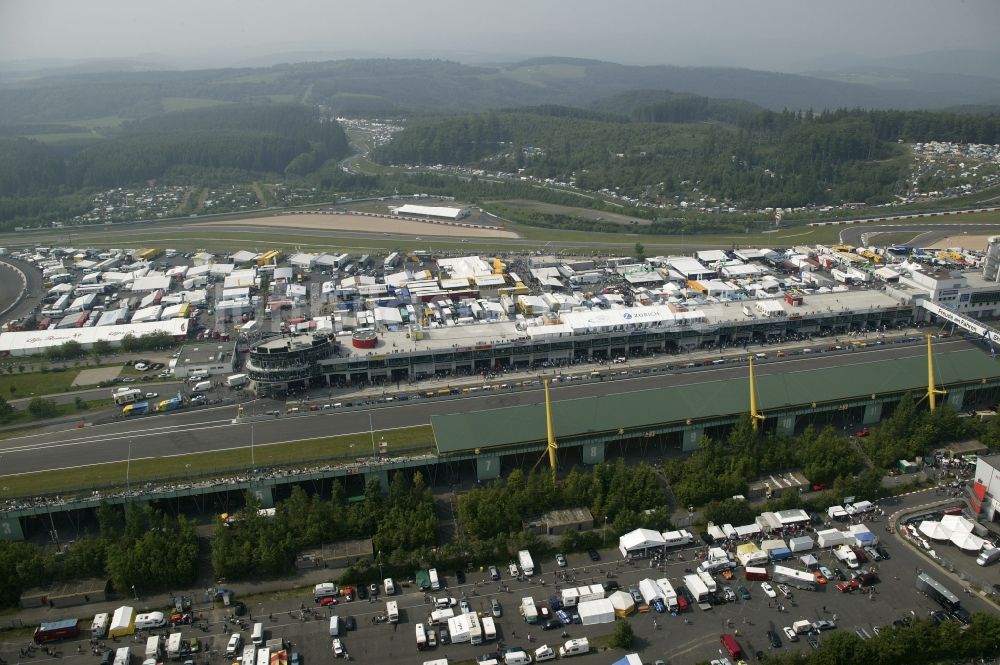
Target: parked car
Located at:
point(494, 573)
point(785, 591)
point(839, 574)
point(774, 639)
point(744, 594)
point(326, 601)
point(790, 634)
point(464, 606)
point(495, 609)
point(882, 551)
point(636, 595)
point(823, 624)
point(350, 623)
point(444, 636)
point(729, 594)
point(561, 560)
point(826, 572)
point(820, 577)
point(768, 589)
point(594, 554)
point(552, 624)
point(460, 576)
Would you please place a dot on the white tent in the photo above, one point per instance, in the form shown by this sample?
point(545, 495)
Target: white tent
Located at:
point(596, 611)
point(956, 524)
point(636, 543)
point(968, 541)
point(808, 560)
point(934, 530)
point(462, 627)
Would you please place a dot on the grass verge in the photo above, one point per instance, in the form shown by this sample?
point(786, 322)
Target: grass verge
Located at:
point(410, 440)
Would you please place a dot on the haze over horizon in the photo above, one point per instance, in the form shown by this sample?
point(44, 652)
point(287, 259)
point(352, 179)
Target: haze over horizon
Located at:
point(778, 35)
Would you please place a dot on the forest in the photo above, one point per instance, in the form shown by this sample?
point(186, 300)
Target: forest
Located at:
point(681, 144)
point(264, 139)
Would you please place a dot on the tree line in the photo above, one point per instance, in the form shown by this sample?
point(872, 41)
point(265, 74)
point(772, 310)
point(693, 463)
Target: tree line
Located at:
point(264, 139)
point(402, 524)
point(721, 148)
point(136, 545)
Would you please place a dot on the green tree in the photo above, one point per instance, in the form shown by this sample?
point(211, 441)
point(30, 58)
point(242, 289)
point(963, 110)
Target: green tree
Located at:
point(101, 348)
point(6, 410)
point(640, 252)
point(40, 408)
point(623, 635)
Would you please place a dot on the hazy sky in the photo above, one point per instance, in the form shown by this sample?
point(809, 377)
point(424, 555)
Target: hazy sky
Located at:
point(765, 34)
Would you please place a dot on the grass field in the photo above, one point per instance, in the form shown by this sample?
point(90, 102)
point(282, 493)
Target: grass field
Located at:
point(35, 383)
point(411, 440)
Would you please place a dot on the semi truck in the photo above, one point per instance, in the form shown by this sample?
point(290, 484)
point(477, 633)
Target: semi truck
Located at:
point(799, 579)
point(57, 630)
point(527, 565)
point(938, 592)
point(697, 588)
point(237, 380)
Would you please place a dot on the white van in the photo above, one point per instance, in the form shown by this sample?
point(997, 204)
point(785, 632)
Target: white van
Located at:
point(576, 647)
point(334, 626)
point(544, 653)
point(150, 620)
point(202, 387)
point(324, 590)
point(390, 588)
point(257, 636)
point(516, 658)
point(988, 556)
point(392, 611)
point(235, 642)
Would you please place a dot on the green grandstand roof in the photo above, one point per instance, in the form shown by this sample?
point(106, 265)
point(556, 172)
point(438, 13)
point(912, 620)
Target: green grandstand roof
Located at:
point(460, 433)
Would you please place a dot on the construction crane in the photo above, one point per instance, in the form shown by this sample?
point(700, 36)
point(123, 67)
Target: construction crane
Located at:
point(932, 390)
point(755, 416)
point(551, 446)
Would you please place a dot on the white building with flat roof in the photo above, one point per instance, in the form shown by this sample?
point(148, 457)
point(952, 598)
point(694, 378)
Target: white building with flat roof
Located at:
point(439, 212)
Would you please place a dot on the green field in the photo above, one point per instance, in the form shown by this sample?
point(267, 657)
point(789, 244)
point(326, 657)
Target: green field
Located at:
point(410, 440)
point(188, 103)
point(35, 383)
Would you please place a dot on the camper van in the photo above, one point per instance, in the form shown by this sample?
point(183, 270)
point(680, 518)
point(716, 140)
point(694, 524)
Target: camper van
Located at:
point(390, 588)
point(392, 611)
point(257, 636)
point(576, 647)
point(99, 627)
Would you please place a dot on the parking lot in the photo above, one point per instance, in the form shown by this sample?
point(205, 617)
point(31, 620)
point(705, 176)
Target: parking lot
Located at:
point(687, 638)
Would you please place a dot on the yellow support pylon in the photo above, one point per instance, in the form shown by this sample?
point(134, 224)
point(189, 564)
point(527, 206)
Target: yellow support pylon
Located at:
point(932, 390)
point(755, 416)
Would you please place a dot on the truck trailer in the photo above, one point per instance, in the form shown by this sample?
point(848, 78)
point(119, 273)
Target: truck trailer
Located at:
point(799, 579)
point(53, 631)
point(937, 592)
point(697, 588)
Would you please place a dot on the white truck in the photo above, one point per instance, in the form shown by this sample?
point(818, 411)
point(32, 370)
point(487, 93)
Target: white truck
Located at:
point(153, 646)
point(697, 588)
point(237, 380)
point(202, 387)
point(799, 579)
point(489, 629)
point(174, 646)
point(527, 565)
point(669, 594)
point(802, 627)
point(846, 556)
point(709, 581)
point(392, 611)
point(249, 655)
point(528, 610)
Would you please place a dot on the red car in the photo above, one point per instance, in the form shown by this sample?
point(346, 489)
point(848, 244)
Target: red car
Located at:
point(326, 601)
point(348, 593)
point(847, 587)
